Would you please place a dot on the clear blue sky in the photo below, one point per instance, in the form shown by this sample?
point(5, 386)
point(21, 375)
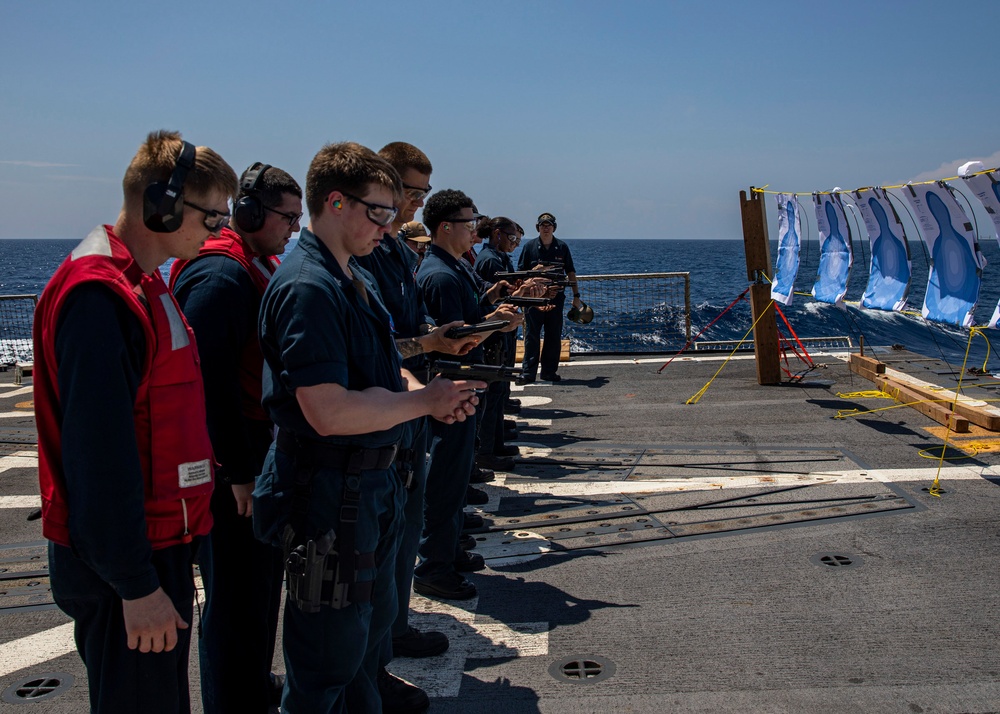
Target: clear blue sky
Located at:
point(625, 119)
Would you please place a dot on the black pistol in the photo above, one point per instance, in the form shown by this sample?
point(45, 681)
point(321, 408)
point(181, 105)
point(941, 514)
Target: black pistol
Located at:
point(483, 372)
point(528, 274)
point(528, 301)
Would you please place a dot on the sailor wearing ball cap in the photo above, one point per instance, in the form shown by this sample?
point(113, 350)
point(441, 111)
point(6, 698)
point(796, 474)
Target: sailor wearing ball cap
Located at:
point(416, 238)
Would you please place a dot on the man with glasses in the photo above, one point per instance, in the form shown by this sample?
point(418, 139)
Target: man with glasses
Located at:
point(502, 239)
point(451, 293)
point(416, 238)
point(546, 248)
point(220, 293)
point(125, 461)
point(394, 265)
point(335, 387)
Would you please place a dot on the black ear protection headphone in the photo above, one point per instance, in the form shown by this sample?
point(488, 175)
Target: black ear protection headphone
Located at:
point(249, 211)
point(163, 203)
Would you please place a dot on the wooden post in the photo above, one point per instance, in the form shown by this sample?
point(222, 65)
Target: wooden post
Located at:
point(758, 254)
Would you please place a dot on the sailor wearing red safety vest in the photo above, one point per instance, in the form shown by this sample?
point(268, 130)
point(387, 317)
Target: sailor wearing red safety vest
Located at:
point(258, 270)
point(125, 462)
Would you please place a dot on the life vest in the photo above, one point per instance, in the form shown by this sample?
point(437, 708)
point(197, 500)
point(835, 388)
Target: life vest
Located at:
point(260, 269)
point(175, 453)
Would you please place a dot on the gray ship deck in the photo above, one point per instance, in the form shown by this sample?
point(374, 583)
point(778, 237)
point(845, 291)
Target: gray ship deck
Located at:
point(748, 553)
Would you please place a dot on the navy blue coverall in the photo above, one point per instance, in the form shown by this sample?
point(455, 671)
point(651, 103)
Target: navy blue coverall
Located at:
point(551, 321)
point(316, 327)
point(449, 291)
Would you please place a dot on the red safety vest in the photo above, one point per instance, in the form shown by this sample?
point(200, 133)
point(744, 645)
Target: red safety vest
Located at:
point(260, 269)
point(174, 449)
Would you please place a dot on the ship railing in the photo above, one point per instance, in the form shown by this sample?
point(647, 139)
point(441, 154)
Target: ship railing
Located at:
point(634, 313)
point(837, 343)
point(17, 313)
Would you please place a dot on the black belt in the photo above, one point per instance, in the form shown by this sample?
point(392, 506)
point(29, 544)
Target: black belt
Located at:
point(352, 459)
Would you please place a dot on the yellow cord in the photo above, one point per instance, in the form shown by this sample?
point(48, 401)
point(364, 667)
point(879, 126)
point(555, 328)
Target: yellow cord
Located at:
point(935, 489)
point(927, 454)
point(902, 185)
point(844, 413)
point(701, 392)
point(973, 446)
point(870, 394)
point(989, 347)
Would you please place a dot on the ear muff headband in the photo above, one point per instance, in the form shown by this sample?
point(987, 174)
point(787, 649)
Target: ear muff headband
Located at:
point(163, 203)
point(249, 210)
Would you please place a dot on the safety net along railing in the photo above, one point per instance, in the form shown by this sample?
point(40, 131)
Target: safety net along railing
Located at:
point(633, 313)
point(17, 312)
point(837, 343)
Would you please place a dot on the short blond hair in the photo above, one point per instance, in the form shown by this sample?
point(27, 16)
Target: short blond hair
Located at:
point(155, 161)
point(349, 168)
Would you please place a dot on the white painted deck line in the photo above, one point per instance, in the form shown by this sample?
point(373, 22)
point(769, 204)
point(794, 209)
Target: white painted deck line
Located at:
point(533, 422)
point(486, 640)
point(16, 415)
point(36, 649)
point(19, 460)
point(534, 401)
point(17, 392)
point(20, 501)
point(565, 488)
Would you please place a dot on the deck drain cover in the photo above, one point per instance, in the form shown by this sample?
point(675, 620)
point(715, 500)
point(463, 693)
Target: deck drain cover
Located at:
point(837, 561)
point(584, 669)
point(37, 688)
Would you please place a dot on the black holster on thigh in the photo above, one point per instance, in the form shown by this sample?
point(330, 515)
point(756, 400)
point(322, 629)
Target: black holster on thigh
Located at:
point(323, 569)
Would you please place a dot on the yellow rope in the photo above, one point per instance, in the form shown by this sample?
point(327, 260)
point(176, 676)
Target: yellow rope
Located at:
point(973, 446)
point(828, 193)
point(926, 454)
point(935, 489)
point(989, 347)
point(844, 413)
point(870, 394)
point(701, 392)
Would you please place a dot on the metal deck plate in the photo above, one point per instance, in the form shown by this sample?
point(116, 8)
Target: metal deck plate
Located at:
point(782, 487)
point(14, 439)
point(24, 576)
point(643, 464)
point(620, 519)
point(581, 464)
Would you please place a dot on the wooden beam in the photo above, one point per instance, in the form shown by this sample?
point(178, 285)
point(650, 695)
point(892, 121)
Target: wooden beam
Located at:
point(863, 371)
point(868, 363)
point(960, 411)
point(758, 258)
point(866, 367)
point(978, 416)
point(917, 399)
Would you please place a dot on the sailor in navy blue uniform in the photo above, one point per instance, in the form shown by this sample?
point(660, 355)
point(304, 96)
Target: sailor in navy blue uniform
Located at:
point(548, 249)
point(394, 265)
point(499, 349)
point(334, 387)
point(450, 293)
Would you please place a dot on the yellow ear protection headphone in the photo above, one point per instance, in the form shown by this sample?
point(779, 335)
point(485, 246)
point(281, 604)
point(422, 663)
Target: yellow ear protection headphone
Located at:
point(163, 202)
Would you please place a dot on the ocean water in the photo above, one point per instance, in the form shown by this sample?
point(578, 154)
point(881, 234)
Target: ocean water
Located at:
point(718, 276)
